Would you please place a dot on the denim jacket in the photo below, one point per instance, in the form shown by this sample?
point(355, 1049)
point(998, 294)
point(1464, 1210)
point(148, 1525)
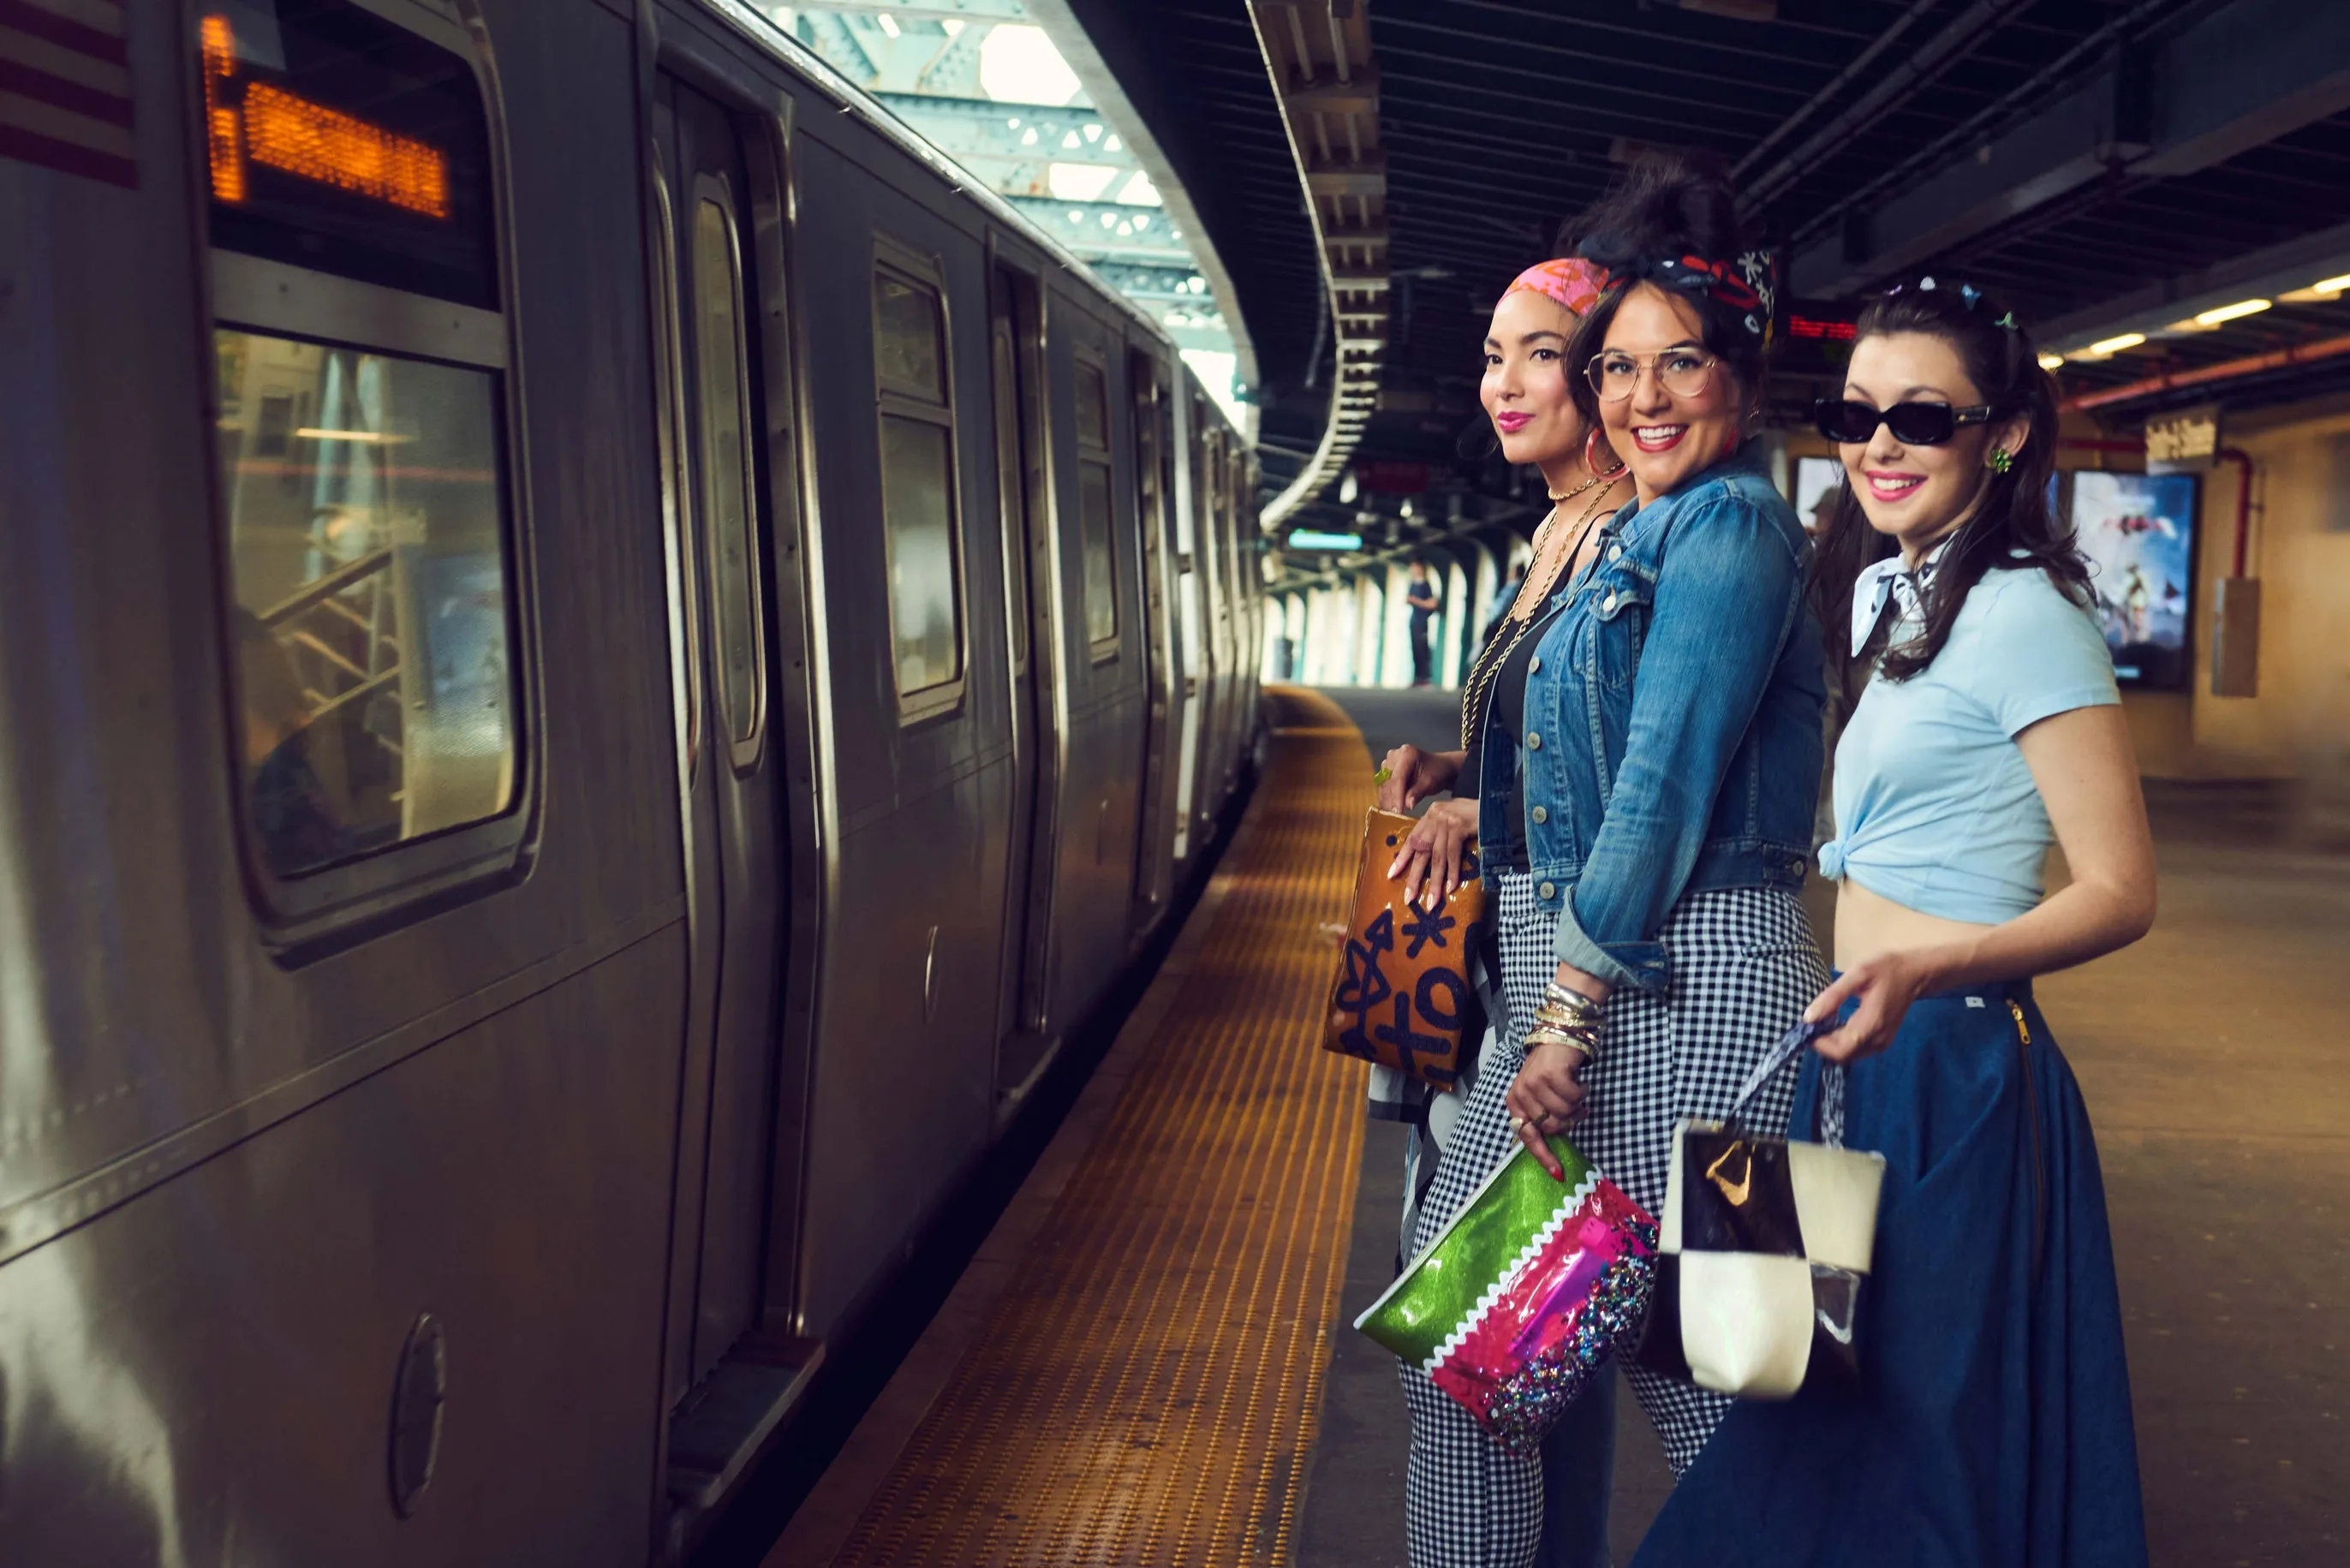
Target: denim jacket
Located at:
point(1704, 772)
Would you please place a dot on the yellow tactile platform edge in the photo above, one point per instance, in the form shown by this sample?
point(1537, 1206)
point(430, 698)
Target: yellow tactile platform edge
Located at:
point(1145, 1390)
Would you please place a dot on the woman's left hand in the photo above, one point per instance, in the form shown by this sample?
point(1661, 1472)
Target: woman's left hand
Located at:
point(1885, 984)
point(1546, 1097)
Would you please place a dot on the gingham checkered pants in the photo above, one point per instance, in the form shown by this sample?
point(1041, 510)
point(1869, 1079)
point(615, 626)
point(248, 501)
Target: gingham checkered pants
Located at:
point(1744, 966)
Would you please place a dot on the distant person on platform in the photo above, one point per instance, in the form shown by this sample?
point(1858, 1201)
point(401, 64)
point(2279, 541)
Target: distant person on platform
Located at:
point(1421, 598)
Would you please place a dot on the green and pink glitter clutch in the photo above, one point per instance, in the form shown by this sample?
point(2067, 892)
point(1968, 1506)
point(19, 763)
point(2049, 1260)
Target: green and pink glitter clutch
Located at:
point(1520, 1301)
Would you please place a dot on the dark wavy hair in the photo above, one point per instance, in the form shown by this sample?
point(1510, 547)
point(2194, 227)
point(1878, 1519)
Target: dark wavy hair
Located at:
point(2014, 526)
point(1668, 205)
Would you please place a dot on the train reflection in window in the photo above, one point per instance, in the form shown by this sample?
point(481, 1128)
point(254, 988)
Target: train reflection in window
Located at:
point(917, 493)
point(372, 597)
point(726, 467)
point(1093, 517)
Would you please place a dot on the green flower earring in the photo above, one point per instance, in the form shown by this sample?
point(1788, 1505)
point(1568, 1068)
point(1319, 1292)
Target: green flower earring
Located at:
point(2001, 460)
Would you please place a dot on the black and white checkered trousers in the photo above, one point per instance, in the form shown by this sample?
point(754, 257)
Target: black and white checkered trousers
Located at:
point(1744, 965)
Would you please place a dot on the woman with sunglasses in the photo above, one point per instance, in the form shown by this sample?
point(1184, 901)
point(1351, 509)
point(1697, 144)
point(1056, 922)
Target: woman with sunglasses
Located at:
point(1993, 1420)
point(1666, 750)
point(1558, 1510)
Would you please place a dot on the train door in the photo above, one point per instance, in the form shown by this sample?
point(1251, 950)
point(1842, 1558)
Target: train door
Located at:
point(1016, 338)
point(710, 312)
point(1208, 557)
point(1153, 874)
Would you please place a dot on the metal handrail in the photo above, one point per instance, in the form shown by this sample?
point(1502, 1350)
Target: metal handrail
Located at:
point(309, 596)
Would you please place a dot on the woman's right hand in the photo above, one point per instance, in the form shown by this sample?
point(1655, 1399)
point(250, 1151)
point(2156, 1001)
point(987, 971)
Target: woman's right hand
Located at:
point(1429, 860)
point(1413, 775)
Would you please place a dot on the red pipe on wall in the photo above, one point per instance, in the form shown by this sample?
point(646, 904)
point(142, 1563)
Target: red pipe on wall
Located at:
point(2243, 460)
point(2252, 365)
point(2235, 454)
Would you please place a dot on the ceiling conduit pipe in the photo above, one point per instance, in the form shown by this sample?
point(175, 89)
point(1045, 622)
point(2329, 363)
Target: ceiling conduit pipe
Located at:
point(1843, 79)
point(1938, 54)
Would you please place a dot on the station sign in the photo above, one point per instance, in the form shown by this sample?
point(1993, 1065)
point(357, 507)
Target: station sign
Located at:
point(1388, 477)
point(1814, 337)
point(2186, 441)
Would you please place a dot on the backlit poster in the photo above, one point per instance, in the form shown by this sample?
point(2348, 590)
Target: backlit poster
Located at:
point(2138, 533)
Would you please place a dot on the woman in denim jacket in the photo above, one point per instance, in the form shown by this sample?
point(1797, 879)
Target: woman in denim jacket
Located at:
point(1669, 746)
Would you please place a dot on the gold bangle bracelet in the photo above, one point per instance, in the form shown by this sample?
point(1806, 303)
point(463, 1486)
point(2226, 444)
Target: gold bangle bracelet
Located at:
point(1540, 1038)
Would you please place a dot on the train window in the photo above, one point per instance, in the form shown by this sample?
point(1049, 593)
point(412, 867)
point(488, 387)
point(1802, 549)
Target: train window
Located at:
point(727, 471)
point(919, 515)
point(344, 143)
point(1095, 515)
point(363, 408)
point(371, 596)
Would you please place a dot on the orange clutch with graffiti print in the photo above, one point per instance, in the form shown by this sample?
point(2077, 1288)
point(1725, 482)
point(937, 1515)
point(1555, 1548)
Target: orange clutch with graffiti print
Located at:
point(1403, 998)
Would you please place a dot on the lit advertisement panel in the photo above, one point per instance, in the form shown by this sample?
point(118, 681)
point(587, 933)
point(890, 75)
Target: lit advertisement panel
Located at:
point(2138, 533)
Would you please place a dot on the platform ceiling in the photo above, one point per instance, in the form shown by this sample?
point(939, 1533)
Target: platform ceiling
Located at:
point(2103, 160)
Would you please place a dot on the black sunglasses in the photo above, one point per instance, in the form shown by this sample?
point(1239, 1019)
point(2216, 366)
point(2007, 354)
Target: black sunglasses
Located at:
point(1913, 424)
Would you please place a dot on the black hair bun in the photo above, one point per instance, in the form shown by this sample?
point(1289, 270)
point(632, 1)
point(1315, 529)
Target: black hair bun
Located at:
point(1669, 204)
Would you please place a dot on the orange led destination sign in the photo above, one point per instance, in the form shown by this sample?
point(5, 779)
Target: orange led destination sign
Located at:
point(273, 127)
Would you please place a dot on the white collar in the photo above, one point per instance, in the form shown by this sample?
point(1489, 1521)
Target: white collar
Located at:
point(1888, 581)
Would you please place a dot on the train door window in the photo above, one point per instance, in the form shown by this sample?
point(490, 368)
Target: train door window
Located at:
point(1095, 516)
point(921, 517)
point(728, 476)
point(362, 405)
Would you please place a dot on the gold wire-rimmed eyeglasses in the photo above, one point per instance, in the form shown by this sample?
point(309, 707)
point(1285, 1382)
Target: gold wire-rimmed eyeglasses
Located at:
point(1683, 372)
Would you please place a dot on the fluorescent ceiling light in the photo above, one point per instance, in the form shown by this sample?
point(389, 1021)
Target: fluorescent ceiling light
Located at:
point(2050, 361)
point(373, 438)
point(2332, 284)
point(2115, 344)
point(2242, 308)
point(1312, 539)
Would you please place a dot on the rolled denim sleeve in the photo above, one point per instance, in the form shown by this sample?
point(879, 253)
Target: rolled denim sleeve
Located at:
point(1728, 596)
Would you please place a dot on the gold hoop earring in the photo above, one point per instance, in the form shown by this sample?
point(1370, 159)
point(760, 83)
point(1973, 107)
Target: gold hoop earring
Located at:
point(1594, 443)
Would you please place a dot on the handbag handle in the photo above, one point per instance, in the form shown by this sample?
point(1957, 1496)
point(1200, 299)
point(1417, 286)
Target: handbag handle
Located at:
point(1796, 1038)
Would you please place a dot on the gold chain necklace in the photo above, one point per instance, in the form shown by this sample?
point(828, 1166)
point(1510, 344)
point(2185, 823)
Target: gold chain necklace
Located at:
point(1482, 673)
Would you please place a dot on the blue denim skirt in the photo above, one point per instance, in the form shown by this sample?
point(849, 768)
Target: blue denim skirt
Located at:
point(1994, 1425)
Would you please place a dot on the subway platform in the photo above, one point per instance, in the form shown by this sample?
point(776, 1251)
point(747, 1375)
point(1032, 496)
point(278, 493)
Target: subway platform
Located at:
point(1149, 1361)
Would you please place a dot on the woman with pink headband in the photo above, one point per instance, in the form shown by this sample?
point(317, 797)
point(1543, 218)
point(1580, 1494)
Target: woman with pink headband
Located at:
point(1648, 763)
point(1464, 1493)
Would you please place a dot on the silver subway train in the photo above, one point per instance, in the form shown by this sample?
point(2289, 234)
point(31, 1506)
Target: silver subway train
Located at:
point(598, 659)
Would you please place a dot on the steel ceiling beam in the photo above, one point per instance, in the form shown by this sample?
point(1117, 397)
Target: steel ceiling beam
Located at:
point(1091, 229)
point(1318, 55)
point(2242, 76)
point(978, 127)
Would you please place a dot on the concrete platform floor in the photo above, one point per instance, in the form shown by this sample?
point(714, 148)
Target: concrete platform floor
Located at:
point(2215, 1056)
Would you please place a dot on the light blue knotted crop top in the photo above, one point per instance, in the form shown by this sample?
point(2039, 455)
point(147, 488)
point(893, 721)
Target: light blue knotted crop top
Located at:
point(1935, 809)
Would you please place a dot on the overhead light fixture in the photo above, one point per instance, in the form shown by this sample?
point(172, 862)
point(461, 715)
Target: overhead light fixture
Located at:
point(2050, 361)
point(2237, 311)
point(1313, 539)
point(368, 438)
point(2115, 344)
point(2332, 284)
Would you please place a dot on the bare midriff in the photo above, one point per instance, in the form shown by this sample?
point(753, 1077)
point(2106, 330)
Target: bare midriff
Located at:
point(1869, 923)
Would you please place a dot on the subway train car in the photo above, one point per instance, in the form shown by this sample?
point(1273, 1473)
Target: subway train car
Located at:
point(597, 660)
